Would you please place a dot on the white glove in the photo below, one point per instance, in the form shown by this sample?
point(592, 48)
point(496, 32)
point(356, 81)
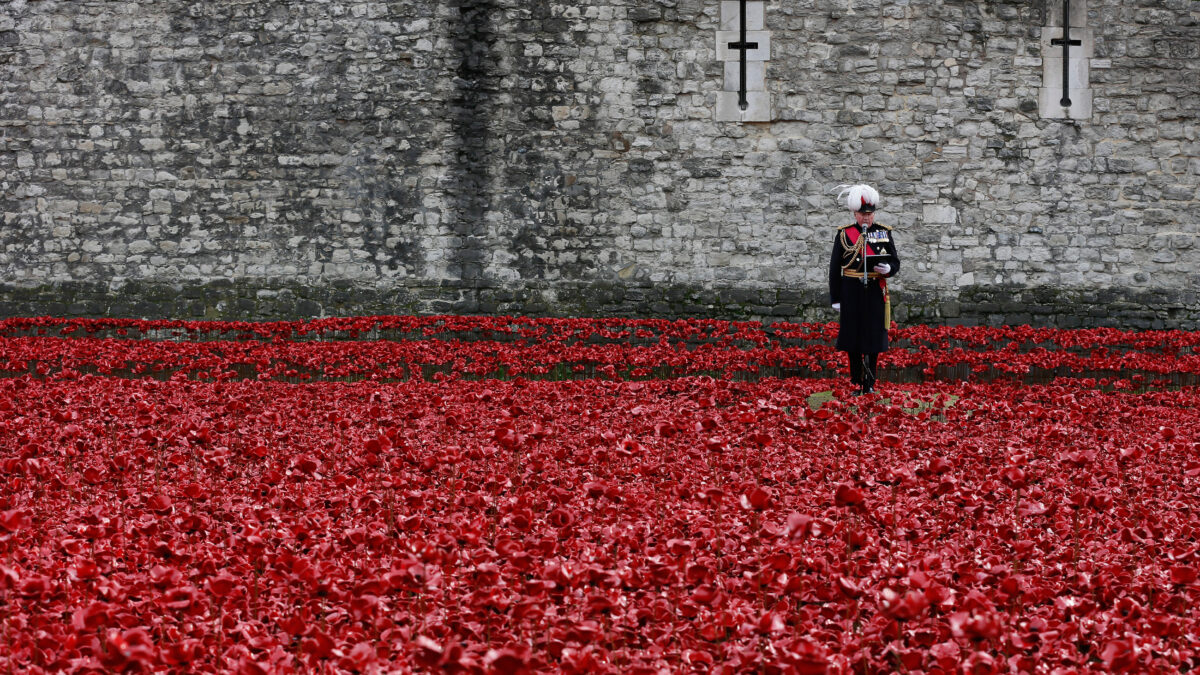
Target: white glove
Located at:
point(837, 306)
point(882, 268)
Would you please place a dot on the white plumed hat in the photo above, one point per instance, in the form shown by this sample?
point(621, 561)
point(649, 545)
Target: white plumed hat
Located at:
point(858, 197)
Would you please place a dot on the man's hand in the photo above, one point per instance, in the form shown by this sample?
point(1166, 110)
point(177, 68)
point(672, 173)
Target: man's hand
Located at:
point(837, 306)
point(882, 268)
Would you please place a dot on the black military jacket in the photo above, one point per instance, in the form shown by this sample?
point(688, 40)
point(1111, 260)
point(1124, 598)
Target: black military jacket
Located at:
point(862, 328)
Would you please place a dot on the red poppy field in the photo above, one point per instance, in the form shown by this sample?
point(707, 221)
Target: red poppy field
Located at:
point(506, 495)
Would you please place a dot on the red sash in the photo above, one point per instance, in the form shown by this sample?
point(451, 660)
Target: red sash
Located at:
point(852, 234)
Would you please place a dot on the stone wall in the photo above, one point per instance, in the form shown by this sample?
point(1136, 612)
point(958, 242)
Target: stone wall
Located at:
point(264, 159)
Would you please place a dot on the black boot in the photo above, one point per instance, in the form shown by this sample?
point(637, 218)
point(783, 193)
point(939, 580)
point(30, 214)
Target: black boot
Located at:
point(862, 372)
point(856, 370)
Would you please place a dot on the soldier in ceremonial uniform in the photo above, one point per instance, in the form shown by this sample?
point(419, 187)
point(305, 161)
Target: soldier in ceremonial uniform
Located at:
point(864, 321)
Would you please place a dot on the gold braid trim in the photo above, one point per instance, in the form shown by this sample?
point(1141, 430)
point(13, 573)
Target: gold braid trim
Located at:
point(858, 275)
point(850, 251)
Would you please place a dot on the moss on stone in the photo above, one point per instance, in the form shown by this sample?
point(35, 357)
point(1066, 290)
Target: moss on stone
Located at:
point(245, 299)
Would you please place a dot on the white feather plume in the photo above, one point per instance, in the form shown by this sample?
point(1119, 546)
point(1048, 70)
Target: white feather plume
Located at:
point(854, 196)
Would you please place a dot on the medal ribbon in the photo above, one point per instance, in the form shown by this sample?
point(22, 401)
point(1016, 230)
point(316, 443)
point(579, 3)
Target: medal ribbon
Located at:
point(853, 234)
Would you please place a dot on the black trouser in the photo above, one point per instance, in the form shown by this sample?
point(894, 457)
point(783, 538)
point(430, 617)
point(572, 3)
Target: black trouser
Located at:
point(857, 376)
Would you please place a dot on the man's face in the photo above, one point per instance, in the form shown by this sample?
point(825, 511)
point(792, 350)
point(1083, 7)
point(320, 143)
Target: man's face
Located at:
point(864, 219)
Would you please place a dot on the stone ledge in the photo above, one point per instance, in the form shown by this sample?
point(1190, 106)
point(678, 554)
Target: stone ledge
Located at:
point(1153, 309)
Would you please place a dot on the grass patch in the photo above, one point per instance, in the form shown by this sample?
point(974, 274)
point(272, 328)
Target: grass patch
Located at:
point(908, 402)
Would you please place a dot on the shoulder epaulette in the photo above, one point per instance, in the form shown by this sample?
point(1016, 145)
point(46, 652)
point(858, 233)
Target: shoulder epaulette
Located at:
point(886, 227)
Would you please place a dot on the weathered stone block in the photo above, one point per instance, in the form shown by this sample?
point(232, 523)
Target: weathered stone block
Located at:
point(728, 107)
point(731, 15)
